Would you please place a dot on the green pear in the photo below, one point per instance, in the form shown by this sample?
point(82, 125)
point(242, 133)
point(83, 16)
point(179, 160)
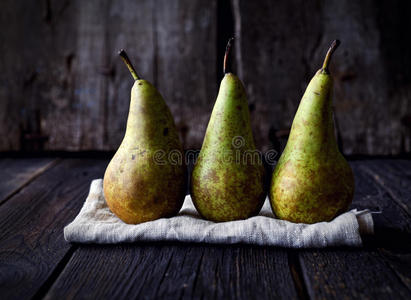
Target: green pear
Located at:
point(228, 176)
point(312, 181)
point(145, 180)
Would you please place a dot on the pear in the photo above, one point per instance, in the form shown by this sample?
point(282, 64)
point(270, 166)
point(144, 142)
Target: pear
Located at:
point(145, 180)
point(312, 182)
point(228, 176)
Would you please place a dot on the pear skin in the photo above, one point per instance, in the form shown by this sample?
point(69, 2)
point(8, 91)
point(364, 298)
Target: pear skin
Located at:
point(227, 182)
point(312, 181)
point(145, 180)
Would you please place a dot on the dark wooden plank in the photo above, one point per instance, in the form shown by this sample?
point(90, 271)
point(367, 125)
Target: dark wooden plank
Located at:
point(186, 71)
point(244, 273)
point(392, 226)
point(394, 176)
point(281, 45)
point(32, 221)
point(382, 269)
point(370, 194)
point(350, 274)
point(16, 173)
point(393, 234)
point(267, 65)
point(124, 271)
point(70, 91)
point(175, 271)
point(105, 83)
point(62, 86)
point(403, 166)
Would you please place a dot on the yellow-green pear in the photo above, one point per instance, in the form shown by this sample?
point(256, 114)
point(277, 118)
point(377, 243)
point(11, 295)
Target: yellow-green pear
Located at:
point(312, 181)
point(227, 182)
point(145, 180)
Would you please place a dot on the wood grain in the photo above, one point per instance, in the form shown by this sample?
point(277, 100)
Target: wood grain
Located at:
point(382, 269)
point(394, 177)
point(62, 86)
point(64, 81)
point(31, 225)
point(170, 271)
point(17, 173)
point(370, 194)
point(268, 56)
point(36, 261)
point(282, 44)
point(350, 274)
point(393, 239)
point(186, 37)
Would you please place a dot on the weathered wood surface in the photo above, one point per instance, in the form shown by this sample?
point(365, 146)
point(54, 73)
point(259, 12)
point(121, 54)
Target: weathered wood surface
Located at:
point(380, 270)
point(282, 44)
point(17, 173)
point(32, 222)
point(63, 87)
point(393, 234)
point(186, 34)
point(393, 177)
point(176, 272)
point(350, 274)
point(36, 261)
point(370, 193)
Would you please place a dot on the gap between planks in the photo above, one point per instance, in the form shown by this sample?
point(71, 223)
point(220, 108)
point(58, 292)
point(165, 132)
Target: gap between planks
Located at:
point(390, 254)
point(43, 290)
point(82, 172)
point(382, 184)
point(297, 274)
point(35, 175)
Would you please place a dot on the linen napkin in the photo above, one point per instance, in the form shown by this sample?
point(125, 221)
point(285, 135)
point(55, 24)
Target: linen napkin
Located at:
point(97, 224)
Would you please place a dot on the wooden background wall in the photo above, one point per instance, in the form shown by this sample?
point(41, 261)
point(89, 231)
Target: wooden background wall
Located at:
point(62, 86)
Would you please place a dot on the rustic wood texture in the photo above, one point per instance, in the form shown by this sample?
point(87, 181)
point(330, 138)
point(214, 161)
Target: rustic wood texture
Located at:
point(176, 272)
point(393, 225)
point(281, 44)
point(17, 173)
point(393, 239)
point(186, 34)
point(370, 194)
point(62, 86)
point(381, 271)
point(394, 178)
point(36, 262)
point(350, 274)
point(67, 84)
point(31, 226)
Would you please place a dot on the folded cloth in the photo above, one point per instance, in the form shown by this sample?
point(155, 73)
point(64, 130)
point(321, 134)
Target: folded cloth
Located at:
point(97, 224)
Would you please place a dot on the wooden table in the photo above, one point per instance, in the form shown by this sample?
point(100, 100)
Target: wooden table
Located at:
point(39, 196)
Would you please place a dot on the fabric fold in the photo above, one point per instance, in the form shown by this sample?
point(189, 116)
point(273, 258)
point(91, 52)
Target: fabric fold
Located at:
point(95, 223)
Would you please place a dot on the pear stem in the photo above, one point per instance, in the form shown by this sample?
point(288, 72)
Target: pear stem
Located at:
point(128, 63)
point(333, 47)
point(227, 52)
